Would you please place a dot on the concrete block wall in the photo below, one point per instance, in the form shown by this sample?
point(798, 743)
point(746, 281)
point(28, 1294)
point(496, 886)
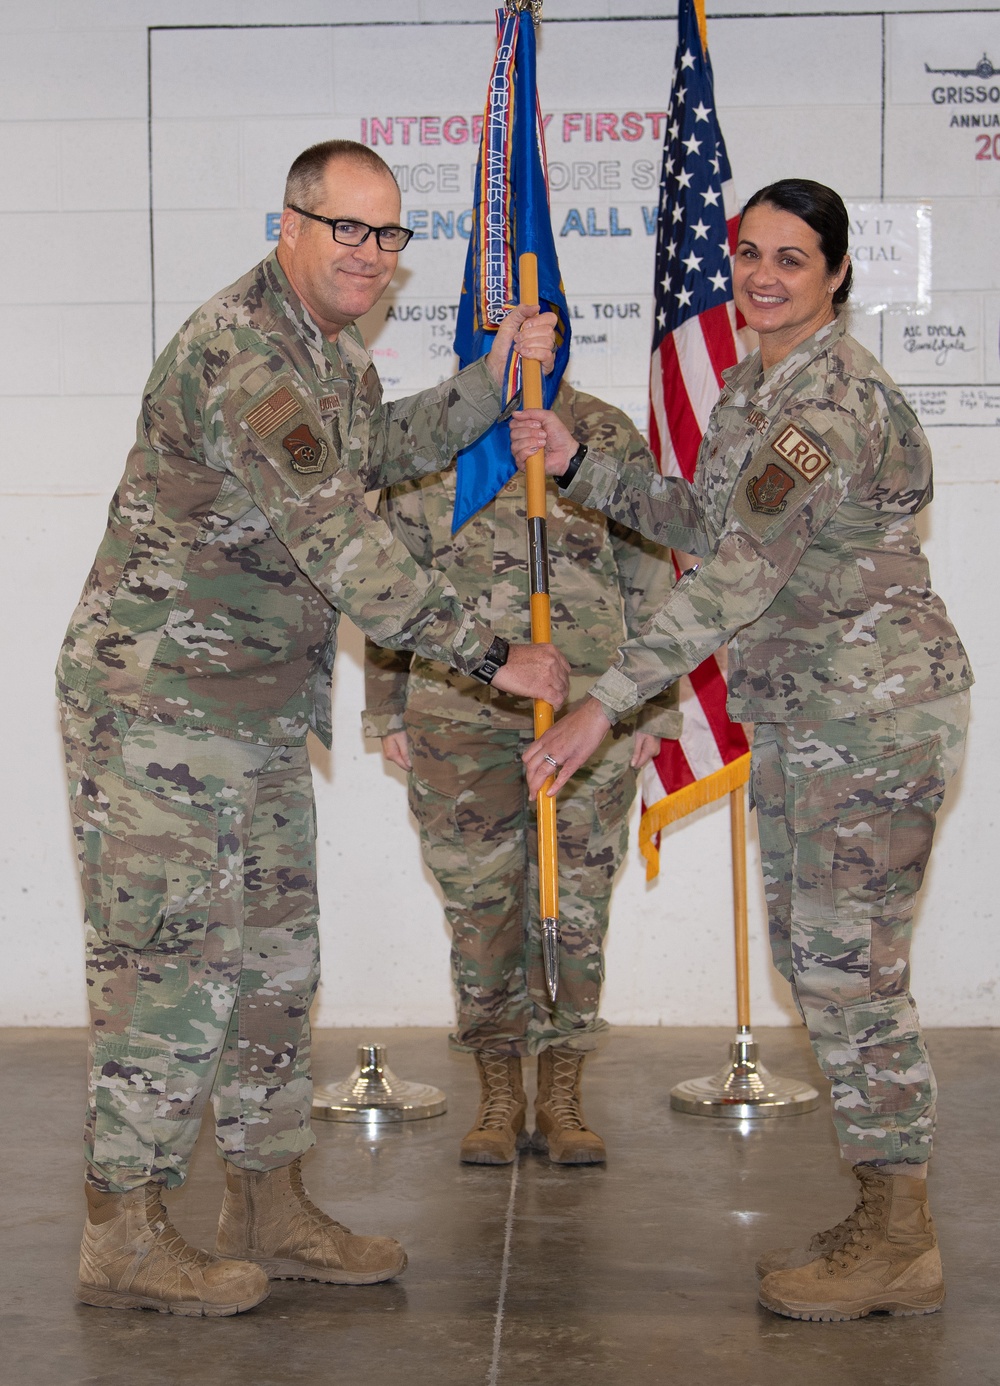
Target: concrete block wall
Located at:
point(75, 348)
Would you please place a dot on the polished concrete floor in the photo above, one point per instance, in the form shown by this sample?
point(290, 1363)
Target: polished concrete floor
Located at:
point(638, 1273)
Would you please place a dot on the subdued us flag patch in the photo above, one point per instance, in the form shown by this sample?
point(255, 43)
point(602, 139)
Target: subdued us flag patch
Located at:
point(272, 412)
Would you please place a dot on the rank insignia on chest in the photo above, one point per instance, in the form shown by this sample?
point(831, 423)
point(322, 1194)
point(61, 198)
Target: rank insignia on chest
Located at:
point(767, 493)
point(758, 420)
point(308, 453)
point(272, 412)
point(801, 453)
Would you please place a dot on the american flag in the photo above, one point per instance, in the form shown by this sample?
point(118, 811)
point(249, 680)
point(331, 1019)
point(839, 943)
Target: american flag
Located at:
point(694, 341)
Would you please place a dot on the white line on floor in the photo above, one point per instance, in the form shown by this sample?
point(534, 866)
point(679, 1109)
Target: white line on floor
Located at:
point(494, 1375)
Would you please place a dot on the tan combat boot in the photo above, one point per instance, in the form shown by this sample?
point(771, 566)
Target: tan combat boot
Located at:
point(822, 1243)
point(889, 1261)
point(498, 1133)
point(132, 1258)
point(268, 1217)
point(560, 1128)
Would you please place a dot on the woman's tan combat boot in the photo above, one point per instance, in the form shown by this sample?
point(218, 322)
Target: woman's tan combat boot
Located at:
point(498, 1133)
point(821, 1243)
point(268, 1217)
point(560, 1127)
point(132, 1258)
point(889, 1263)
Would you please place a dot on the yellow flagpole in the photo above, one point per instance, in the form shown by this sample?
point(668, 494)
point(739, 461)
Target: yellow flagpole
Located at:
point(541, 632)
point(738, 831)
point(737, 803)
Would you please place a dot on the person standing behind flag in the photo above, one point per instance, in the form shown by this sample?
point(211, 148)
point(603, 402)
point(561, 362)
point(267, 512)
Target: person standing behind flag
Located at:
point(802, 511)
point(460, 744)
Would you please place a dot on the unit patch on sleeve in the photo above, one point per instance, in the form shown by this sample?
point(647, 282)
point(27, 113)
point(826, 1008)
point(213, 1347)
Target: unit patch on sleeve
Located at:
point(289, 432)
point(272, 412)
point(800, 452)
point(768, 492)
point(308, 453)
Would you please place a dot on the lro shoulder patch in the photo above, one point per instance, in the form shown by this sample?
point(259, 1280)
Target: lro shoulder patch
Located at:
point(775, 473)
point(800, 452)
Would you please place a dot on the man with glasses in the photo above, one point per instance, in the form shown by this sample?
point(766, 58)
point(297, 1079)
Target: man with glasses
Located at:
point(197, 660)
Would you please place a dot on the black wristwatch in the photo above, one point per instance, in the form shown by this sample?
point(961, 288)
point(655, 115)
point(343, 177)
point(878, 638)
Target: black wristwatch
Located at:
point(572, 467)
point(496, 658)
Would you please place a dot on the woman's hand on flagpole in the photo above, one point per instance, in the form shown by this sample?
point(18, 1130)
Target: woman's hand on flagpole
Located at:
point(532, 429)
point(532, 335)
point(566, 746)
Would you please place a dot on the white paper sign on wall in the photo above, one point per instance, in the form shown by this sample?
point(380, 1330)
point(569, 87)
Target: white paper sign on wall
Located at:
point(890, 249)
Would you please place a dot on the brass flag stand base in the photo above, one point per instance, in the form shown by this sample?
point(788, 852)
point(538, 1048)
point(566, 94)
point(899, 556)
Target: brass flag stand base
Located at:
point(373, 1093)
point(744, 1088)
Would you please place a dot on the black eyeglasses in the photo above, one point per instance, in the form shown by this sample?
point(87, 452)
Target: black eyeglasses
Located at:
point(347, 232)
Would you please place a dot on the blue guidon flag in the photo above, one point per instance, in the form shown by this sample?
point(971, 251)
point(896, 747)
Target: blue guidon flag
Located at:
point(511, 217)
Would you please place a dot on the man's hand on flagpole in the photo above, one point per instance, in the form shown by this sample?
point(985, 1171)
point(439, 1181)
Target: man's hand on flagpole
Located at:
point(396, 749)
point(531, 333)
point(534, 671)
point(566, 746)
point(532, 429)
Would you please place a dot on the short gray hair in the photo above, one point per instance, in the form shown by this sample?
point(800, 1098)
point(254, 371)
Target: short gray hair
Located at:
point(304, 185)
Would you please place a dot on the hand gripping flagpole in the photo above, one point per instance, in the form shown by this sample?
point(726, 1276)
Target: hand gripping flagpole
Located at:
point(541, 633)
point(744, 1088)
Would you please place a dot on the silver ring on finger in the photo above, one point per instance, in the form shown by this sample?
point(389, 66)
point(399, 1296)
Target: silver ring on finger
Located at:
point(552, 761)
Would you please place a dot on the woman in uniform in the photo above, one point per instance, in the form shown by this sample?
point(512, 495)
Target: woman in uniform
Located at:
point(802, 515)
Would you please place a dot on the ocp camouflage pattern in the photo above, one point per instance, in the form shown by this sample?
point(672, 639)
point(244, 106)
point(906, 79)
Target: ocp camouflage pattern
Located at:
point(479, 836)
point(802, 512)
point(467, 787)
point(846, 812)
point(197, 859)
point(802, 509)
point(605, 581)
point(239, 530)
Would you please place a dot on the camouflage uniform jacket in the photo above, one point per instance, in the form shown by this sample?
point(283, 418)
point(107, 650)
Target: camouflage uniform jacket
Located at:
point(239, 530)
point(605, 582)
point(802, 509)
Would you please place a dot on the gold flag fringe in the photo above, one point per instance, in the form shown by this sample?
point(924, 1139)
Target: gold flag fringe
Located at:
point(699, 9)
point(683, 801)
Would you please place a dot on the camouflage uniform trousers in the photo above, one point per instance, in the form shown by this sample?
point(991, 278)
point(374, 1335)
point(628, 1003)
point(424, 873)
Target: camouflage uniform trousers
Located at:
point(846, 813)
point(197, 855)
point(478, 835)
